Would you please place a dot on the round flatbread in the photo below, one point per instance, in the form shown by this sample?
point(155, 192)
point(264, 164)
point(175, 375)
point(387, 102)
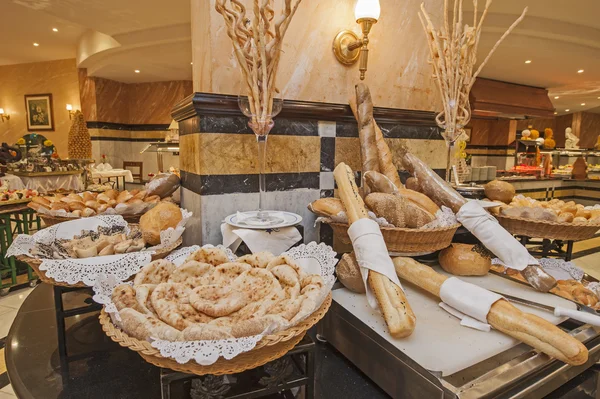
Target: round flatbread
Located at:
point(286, 260)
point(145, 327)
point(154, 272)
point(123, 297)
point(171, 304)
point(205, 332)
point(226, 273)
point(213, 256)
point(142, 295)
point(217, 300)
point(259, 259)
point(192, 273)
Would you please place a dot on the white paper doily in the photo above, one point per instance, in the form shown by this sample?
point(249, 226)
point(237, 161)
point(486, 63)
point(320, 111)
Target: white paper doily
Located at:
point(312, 258)
point(557, 268)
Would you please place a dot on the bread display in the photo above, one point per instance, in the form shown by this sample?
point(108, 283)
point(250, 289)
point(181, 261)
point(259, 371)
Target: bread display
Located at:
point(392, 301)
point(203, 301)
point(465, 260)
point(90, 243)
point(555, 210)
point(161, 217)
point(504, 317)
point(88, 204)
point(10, 196)
point(399, 211)
point(498, 190)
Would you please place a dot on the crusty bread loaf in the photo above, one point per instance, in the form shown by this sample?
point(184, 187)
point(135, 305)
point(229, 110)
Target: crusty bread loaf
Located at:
point(327, 207)
point(348, 273)
point(379, 183)
point(157, 219)
point(420, 199)
point(465, 260)
point(398, 210)
point(413, 184)
point(498, 190)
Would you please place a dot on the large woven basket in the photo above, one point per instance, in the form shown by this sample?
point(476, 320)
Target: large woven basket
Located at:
point(404, 240)
point(546, 229)
point(271, 347)
point(35, 265)
point(52, 220)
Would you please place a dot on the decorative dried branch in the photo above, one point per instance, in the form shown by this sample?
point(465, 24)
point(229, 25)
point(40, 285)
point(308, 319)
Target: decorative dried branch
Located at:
point(257, 42)
point(453, 52)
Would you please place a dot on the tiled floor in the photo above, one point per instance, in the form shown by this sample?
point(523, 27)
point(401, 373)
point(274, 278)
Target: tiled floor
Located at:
point(9, 305)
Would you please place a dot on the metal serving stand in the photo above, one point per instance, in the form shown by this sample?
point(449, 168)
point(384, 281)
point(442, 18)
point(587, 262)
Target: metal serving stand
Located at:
point(515, 373)
point(160, 148)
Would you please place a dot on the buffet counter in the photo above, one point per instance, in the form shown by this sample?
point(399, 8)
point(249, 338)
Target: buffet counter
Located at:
point(586, 192)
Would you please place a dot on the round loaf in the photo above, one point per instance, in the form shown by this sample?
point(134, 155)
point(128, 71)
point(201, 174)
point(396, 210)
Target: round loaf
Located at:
point(157, 219)
point(465, 260)
point(498, 190)
point(348, 272)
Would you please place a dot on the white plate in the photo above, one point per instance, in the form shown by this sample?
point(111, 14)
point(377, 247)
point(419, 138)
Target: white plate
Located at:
point(289, 219)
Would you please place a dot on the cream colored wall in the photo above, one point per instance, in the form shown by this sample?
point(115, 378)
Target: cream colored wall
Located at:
point(56, 77)
point(399, 75)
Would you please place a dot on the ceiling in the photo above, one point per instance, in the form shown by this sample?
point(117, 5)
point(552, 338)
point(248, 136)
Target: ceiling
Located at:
point(132, 24)
point(560, 37)
point(153, 36)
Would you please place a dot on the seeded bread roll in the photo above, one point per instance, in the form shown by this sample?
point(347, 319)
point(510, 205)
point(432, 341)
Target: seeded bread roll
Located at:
point(465, 260)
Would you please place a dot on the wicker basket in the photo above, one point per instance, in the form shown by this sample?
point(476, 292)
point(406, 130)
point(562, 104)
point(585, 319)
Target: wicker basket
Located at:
point(545, 229)
point(52, 220)
point(271, 347)
point(404, 240)
point(35, 265)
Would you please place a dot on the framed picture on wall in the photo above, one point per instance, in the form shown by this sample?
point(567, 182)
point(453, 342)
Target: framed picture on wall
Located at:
point(40, 113)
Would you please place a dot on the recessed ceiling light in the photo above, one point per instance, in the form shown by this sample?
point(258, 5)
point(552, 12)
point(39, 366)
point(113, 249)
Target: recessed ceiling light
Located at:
point(54, 30)
point(567, 110)
point(36, 44)
point(582, 103)
point(556, 97)
point(528, 62)
point(580, 71)
point(137, 71)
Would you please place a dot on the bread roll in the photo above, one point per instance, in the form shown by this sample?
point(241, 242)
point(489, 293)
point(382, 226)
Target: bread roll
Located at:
point(498, 190)
point(159, 218)
point(327, 207)
point(141, 194)
point(565, 217)
point(152, 199)
point(60, 205)
point(87, 196)
point(583, 213)
point(580, 220)
point(465, 260)
point(76, 213)
point(35, 206)
point(92, 204)
point(112, 194)
point(348, 272)
point(103, 198)
point(76, 206)
point(87, 212)
point(413, 184)
point(42, 201)
point(569, 208)
point(124, 196)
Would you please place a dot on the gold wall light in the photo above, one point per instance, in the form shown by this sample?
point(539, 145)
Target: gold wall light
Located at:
point(71, 112)
point(3, 115)
point(347, 46)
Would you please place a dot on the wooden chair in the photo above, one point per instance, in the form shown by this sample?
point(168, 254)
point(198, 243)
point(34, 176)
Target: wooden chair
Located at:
point(139, 165)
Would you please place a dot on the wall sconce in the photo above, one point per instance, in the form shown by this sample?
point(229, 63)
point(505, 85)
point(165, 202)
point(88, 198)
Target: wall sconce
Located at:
point(71, 112)
point(4, 116)
point(347, 46)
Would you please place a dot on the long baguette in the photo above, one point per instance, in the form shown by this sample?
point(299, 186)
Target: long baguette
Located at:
point(366, 130)
point(386, 158)
point(503, 316)
point(394, 306)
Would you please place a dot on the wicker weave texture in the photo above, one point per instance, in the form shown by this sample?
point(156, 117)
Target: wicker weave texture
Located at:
point(545, 229)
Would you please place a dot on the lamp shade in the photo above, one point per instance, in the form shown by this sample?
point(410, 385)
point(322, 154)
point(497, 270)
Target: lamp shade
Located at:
point(1, 111)
point(174, 125)
point(69, 107)
point(367, 9)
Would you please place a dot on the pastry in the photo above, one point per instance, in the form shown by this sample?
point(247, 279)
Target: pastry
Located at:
point(465, 260)
point(159, 218)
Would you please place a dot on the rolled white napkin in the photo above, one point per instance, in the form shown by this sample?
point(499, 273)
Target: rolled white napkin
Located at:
point(495, 238)
point(275, 241)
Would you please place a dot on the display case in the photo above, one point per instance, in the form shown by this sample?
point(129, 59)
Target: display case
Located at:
point(161, 148)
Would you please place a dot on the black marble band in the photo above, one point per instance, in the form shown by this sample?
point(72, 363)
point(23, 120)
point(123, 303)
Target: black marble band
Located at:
point(392, 131)
point(124, 126)
point(247, 183)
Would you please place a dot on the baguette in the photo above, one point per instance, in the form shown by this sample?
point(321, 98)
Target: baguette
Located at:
point(386, 159)
point(504, 317)
point(366, 131)
point(379, 183)
point(328, 207)
point(394, 306)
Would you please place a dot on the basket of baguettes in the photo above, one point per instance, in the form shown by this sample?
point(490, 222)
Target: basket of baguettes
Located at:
point(79, 249)
point(554, 219)
point(411, 222)
point(204, 311)
point(130, 204)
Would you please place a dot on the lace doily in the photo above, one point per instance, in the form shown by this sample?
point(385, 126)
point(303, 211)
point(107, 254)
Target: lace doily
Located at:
point(557, 268)
point(313, 258)
point(443, 218)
